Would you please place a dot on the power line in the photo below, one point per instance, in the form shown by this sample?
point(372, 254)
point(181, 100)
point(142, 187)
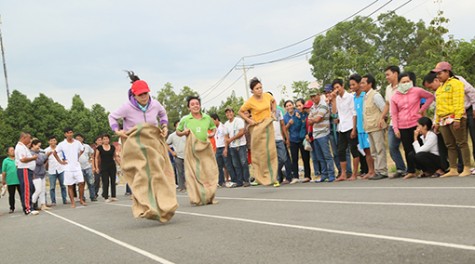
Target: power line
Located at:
point(314, 35)
point(206, 92)
point(224, 90)
point(308, 50)
point(302, 52)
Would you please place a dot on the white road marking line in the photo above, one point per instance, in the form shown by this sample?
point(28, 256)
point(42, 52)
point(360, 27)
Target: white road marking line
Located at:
point(344, 202)
point(339, 232)
point(332, 231)
point(320, 187)
point(128, 246)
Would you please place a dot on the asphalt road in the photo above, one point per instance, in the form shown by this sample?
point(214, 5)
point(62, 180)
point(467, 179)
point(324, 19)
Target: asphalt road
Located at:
point(387, 221)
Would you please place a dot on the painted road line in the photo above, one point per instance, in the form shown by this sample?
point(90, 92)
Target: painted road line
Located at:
point(343, 202)
point(339, 232)
point(116, 241)
point(320, 187)
point(331, 231)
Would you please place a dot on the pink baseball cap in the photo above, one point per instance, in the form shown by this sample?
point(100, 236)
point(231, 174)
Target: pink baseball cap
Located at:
point(442, 66)
point(308, 104)
point(140, 87)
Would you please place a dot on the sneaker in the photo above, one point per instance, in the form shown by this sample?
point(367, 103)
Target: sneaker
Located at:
point(254, 183)
point(113, 199)
point(305, 180)
point(276, 184)
point(231, 185)
point(108, 200)
point(34, 212)
point(294, 181)
point(246, 184)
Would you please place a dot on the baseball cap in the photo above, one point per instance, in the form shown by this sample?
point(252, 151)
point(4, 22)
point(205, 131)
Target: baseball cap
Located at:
point(308, 104)
point(328, 88)
point(442, 66)
point(140, 87)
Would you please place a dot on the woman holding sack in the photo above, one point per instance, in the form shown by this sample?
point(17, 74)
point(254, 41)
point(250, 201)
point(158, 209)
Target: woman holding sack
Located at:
point(145, 162)
point(263, 153)
point(200, 161)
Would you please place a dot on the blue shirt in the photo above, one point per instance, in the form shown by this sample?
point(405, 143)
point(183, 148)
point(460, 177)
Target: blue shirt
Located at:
point(297, 129)
point(359, 100)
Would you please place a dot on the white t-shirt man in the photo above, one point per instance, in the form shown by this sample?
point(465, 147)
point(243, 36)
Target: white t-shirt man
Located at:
point(53, 165)
point(232, 129)
point(72, 170)
point(22, 151)
point(84, 159)
point(219, 136)
point(346, 111)
point(277, 129)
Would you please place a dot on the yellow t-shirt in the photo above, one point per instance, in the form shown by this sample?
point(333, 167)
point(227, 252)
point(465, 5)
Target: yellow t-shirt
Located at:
point(260, 109)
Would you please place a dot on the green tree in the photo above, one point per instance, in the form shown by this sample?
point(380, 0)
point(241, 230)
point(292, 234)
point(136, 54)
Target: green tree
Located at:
point(99, 124)
point(49, 118)
point(232, 101)
point(463, 59)
point(347, 48)
point(79, 117)
point(18, 116)
point(300, 89)
point(174, 103)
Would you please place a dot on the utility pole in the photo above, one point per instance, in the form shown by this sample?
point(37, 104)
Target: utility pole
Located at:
point(3, 59)
point(244, 68)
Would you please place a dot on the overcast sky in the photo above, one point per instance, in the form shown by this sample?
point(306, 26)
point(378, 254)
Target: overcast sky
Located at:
point(61, 48)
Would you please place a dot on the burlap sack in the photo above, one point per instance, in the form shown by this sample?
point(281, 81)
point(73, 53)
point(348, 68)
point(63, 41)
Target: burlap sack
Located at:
point(148, 171)
point(201, 171)
point(264, 152)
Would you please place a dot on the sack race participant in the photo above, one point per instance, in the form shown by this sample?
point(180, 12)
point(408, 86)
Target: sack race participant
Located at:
point(145, 162)
point(148, 171)
point(263, 150)
point(200, 162)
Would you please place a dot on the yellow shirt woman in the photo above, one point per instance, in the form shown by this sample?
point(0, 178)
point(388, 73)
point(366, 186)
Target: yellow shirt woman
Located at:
point(260, 108)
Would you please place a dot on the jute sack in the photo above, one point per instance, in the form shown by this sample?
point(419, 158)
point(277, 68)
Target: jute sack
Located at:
point(148, 171)
point(264, 152)
point(201, 171)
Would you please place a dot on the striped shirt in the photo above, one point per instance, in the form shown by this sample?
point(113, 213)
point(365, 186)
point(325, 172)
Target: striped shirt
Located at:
point(321, 128)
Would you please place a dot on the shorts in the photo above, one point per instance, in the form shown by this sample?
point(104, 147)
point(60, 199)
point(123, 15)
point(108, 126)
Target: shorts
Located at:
point(73, 177)
point(363, 140)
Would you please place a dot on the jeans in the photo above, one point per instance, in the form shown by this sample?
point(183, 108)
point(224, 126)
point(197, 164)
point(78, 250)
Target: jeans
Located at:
point(283, 159)
point(316, 163)
point(224, 162)
point(394, 151)
point(239, 159)
point(97, 182)
point(294, 153)
point(89, 179)
point(324, 156)
point(52, 186)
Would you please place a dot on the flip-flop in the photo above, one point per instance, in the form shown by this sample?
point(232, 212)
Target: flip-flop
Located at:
point(436, 175)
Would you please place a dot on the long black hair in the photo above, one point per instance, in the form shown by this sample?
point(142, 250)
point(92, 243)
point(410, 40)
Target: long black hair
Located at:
point(132, 76)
